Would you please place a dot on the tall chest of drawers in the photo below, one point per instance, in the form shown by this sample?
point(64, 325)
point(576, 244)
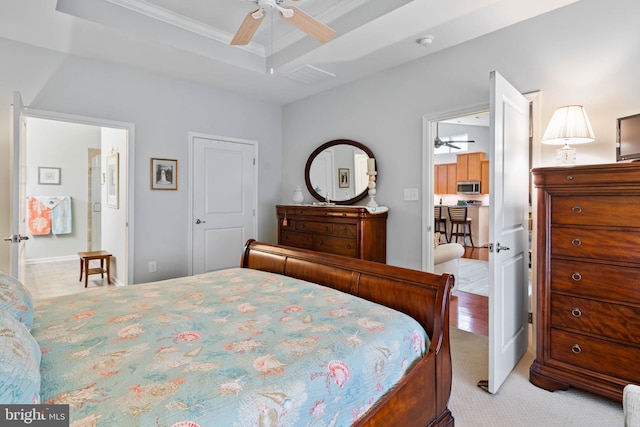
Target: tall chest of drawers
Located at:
point(588, 278)
point(344, 230)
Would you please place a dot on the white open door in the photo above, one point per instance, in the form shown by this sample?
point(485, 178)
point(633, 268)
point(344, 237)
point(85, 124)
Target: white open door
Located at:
point(18, 188)
point(224, 198)
point(508, 230)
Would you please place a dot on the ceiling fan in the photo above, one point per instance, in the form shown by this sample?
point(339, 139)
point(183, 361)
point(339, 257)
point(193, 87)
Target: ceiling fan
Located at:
point(292, 14)
point(439, 143)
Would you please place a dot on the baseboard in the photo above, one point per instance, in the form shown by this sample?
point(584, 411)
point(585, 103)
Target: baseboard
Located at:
point(52, 259)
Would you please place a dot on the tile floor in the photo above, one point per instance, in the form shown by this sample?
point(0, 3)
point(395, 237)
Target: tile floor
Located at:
point(59, 278)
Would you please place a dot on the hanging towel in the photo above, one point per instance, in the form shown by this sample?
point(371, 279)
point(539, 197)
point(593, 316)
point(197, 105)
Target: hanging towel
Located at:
point(39, 217)
point(60, 214)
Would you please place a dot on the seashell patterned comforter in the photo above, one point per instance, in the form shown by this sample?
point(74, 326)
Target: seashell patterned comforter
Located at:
point(236, 347)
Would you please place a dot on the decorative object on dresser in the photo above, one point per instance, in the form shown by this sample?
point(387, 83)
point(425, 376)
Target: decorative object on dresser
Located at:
point(588, 298)
point(568, 125)
point(353, 231)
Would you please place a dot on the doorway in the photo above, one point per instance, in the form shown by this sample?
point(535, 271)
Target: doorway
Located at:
point(73, 146)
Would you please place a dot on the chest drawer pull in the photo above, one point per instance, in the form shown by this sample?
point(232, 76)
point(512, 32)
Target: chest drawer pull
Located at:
point(576, 276)
point(576, 312)
point(569, 177)
point(576, 209)
point(576, 242)
point(576, 349)
point(326, 228)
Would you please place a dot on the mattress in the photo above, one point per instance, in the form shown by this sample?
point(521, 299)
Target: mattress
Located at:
point(236, 347)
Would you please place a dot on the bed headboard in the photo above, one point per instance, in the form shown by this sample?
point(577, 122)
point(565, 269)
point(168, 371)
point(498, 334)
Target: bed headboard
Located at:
point(423, 296)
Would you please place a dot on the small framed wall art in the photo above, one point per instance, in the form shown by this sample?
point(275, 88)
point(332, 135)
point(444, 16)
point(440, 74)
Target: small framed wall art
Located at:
point(343, 176)
point(113, 175)
point(48, 176)
point(164, 174)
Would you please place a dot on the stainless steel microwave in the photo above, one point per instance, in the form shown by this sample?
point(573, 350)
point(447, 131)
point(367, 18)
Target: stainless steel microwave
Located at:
point(468, 187)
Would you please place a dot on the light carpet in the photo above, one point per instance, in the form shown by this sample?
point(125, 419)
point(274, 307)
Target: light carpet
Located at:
point(473, 277)
point(517, 402)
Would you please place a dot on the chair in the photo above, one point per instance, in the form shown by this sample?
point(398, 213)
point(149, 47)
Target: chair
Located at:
point(85, 259)
point(440, 223)
point(458, 218)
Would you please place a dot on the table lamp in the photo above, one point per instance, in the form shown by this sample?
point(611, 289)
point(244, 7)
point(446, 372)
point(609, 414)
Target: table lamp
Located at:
point(569, 124)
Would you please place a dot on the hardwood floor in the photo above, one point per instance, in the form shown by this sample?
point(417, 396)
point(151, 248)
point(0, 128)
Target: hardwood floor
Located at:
point(470, 312)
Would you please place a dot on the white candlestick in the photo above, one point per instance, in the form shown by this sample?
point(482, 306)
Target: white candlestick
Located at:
point(371, 165)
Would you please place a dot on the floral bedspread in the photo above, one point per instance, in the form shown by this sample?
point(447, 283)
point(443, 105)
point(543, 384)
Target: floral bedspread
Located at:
point(236, 347)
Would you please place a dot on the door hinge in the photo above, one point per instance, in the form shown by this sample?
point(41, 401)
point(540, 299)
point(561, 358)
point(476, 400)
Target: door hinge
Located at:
point(254, 161)
point(530, 317)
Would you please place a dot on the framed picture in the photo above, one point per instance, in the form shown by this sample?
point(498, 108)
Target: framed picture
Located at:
point(113, 175)
point(164, 174)
point(343, 178)
point(48, 176)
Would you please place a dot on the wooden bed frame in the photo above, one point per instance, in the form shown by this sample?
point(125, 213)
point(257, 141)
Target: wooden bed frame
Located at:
point(421, 397)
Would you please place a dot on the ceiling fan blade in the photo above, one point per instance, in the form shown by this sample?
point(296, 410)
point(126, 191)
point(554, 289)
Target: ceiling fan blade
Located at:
point(309, 25)
point(451, 145)
point(248, 28)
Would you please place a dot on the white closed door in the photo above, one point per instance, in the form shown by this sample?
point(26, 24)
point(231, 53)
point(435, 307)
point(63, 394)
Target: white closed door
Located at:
point(224, 202)
point(508, 229)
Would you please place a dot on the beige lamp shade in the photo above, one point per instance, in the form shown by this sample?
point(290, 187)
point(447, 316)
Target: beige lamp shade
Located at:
point(569, 125)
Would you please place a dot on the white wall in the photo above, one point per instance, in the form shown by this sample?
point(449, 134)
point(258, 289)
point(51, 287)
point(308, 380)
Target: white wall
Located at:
point(585, 53)
point(113, 230)
point(62, 145)
point(164, 111)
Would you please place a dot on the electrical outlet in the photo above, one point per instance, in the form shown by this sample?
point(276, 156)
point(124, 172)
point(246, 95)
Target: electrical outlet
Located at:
point(152, 266)
point(411, 194)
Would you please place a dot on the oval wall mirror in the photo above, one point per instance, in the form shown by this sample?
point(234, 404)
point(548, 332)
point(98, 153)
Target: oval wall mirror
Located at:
point(337, 171)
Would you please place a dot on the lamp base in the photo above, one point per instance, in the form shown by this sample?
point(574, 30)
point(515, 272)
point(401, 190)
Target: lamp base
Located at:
point(566, 155)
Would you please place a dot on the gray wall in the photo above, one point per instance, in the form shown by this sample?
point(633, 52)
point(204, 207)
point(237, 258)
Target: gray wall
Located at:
point(586, 53)
point(164, 111)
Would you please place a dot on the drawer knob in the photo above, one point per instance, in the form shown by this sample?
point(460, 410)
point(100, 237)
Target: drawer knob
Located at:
point(348, 246)
point(570, 177)
point(576, 242)
point(576, 276)
point(576, 349)
point(576, 312)
point(576, 209)
point(326, 228)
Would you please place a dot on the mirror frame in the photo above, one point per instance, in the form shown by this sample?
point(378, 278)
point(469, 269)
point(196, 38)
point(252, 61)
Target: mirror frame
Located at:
point(319, 150)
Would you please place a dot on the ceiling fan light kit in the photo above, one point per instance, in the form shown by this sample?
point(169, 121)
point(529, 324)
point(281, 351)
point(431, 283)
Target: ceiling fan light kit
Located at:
point(295, 16)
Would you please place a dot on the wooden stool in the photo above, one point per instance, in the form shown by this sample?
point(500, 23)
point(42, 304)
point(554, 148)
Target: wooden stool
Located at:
point(86, 257)
point(458, 217)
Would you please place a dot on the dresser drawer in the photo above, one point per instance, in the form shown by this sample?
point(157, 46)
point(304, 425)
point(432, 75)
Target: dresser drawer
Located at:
point(299, 240)
point(600, 356)
point(335, 245)
point(315, 227)
point(595, 210)
point(345, 230)
point(595, 244)
point(617, 322)
point(600, 281)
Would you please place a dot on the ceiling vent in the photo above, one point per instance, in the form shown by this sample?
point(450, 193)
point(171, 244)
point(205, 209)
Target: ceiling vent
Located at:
point(308, 74)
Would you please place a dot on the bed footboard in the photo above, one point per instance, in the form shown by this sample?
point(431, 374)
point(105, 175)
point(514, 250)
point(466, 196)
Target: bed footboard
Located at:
point(421, 398)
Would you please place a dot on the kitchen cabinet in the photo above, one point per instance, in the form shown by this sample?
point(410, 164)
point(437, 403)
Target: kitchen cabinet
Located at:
point(469, 166)
point(445, 177)
point(484, 173)
point(588, 299)
point(351, 231)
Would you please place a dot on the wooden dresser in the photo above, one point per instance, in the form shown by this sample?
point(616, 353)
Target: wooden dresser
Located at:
point(588, 278)
point(344, 230)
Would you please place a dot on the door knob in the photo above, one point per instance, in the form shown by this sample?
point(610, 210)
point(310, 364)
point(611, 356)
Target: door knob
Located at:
point(16, 238)
point(198, 221)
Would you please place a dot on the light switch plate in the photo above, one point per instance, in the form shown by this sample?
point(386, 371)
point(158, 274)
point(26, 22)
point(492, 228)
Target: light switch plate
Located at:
point(411, 194)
